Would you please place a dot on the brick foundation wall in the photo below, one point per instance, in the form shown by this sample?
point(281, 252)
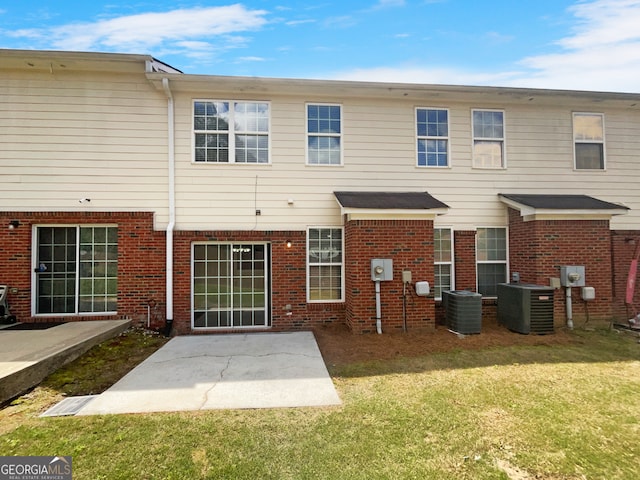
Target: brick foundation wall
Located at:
point(538, 248)
point(141, 262)
point(141, 270)
point(288, 274)
point(624, 245)
point(409, 243)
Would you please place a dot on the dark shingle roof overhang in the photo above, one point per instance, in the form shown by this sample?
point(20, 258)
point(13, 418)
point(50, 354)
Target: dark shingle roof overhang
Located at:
point(537, 206)
point(390, 205)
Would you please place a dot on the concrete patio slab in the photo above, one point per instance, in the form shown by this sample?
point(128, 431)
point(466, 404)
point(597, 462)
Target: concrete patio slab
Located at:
point(28, 356)
point(234, 371)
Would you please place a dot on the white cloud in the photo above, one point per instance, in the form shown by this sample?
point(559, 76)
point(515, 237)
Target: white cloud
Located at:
point(601, 53)
point(146, 31)
point(293, 23)
point(416, 74)
point(251, 59)
point(389, 3)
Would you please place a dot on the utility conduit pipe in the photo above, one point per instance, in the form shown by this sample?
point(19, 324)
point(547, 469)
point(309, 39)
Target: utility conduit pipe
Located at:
point(378, 308)
point(569, 309)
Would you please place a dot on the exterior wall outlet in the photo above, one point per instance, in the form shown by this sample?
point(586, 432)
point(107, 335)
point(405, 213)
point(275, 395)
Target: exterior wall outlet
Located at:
point(422, 289)
point(588, 293)
point(406, 276)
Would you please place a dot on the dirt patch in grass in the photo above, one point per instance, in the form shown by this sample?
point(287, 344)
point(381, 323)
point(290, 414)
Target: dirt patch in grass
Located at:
point(340, 347)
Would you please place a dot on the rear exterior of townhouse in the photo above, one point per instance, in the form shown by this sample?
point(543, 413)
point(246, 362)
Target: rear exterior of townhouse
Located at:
point(216, 204)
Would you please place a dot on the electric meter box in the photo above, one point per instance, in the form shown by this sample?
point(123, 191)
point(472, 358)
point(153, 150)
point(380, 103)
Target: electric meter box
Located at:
point(381, 269)
point(572, 276)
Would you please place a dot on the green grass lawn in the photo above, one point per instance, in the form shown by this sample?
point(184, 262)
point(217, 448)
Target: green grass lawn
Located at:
point(561, 412)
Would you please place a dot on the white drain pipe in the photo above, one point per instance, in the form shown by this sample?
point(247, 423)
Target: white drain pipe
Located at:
point(378, 308)
point(569, 309)
point(172, 205)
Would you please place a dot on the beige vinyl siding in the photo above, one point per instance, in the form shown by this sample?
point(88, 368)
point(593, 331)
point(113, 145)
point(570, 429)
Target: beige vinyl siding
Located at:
point(101, 135)
point(69, 135)
point(379, 154)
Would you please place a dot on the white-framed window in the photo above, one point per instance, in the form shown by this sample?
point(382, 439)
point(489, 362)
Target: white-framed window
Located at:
point(325, 264)
point(488, 138)
point(230, 285)
point(231, 131)
point(443, 261)
point(324, 134)
point(75, 269)
point(491, 259)
point(588, 141)
point(432, 132)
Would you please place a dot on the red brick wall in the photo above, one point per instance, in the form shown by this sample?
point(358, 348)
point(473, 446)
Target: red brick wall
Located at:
point(538, 248)
point(465, 259)
point(141, 270)
point(409, 243)
point(624, 246)
point(141, 262)
point(288, 273)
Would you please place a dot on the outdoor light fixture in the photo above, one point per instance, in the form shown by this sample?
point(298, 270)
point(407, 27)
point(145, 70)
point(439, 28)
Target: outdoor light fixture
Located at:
point(289, 243)
point(14, 224)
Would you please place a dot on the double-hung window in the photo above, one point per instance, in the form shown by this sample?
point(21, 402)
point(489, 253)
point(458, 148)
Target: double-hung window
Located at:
point(324, 134)
point(76, 269)
point(491, 258)
point(325, 272)
point(432, 130)
point(231, 132)
point(488, 138)
point(588, 138)
point(443, 259)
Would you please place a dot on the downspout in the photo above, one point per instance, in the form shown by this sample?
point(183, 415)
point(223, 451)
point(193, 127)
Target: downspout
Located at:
point(172, 206)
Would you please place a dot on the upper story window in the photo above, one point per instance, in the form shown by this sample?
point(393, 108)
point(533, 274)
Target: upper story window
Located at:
point(488, 139)
point(588, 138)
point(443, 260)
point(432, 130)
point(324, 134)
point(491, 258)
point(231, 132)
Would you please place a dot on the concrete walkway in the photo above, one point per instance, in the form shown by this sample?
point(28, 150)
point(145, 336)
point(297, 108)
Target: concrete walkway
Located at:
point(28, 356)
point(200, 372)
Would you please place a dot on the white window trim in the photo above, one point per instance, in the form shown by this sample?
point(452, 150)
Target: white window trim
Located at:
point(506, 261)
point(342, 267)
point(307, 134)
point(34, 275)
point(427, 137)
point(603, 142)
point(232, 133)
point(453, 257)
point(268, 289)
point(503, 139)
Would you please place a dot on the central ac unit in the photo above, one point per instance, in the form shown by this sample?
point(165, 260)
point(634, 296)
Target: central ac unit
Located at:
point(525, 308)
point(463, 311)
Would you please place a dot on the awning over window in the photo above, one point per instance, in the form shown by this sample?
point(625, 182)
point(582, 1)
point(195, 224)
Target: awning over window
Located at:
point(561, 207)
point(390, 205)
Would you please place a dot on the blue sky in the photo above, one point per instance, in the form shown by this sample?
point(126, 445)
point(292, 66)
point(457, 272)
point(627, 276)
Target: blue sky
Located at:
point(564, 44)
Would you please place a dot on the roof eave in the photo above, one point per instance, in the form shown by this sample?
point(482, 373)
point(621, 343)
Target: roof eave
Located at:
point(529, 213)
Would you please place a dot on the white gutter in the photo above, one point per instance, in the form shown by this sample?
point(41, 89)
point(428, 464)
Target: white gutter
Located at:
point(172, 205)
